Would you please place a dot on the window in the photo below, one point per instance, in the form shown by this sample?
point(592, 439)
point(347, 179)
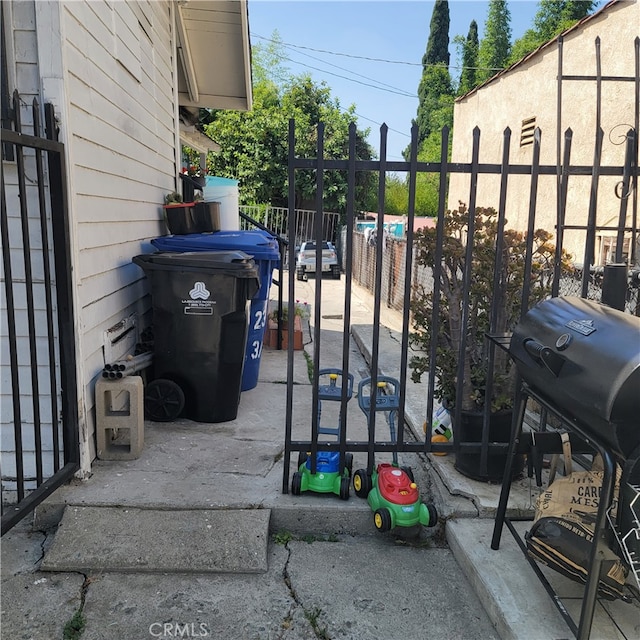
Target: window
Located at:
point(526, 131)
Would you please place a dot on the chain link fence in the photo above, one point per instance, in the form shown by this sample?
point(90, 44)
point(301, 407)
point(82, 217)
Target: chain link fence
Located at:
point(394, 253)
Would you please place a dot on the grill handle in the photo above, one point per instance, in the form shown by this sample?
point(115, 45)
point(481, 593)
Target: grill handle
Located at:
point(547, 356)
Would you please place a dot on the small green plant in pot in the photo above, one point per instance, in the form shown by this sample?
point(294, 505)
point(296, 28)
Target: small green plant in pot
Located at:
point(449, 328)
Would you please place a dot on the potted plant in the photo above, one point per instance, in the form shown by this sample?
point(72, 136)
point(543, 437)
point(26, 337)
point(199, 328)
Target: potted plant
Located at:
point(195, 216)
point(449, 332)
point(302, 310)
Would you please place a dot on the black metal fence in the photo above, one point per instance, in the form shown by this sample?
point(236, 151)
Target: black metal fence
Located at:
point(402, 276)
point(39, 426)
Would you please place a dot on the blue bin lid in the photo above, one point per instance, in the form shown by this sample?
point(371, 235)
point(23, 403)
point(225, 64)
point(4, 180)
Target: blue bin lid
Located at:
point(258, 244)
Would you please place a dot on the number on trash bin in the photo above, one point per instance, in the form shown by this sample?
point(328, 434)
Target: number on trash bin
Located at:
point(261, 319)
point(257, 349)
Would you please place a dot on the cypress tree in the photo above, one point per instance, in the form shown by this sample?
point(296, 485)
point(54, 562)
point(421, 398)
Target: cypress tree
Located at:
point(495, 47)
point(438, 44)
point(435, 81)
point(469, 60)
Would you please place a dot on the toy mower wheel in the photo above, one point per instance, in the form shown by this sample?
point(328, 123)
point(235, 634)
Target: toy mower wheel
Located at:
point(296, 483)
point(433, 515)
point(362, 483)
point(382, 519)
point(163, 400)
point(344, 488)
point(348, 462)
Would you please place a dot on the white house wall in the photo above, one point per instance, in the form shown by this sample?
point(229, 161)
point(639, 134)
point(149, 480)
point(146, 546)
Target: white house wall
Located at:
point(109, 69)
point(530, 90)
point(121, 136)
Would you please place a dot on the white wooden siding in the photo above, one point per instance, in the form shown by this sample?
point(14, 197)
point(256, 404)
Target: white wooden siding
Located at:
point(121, 134)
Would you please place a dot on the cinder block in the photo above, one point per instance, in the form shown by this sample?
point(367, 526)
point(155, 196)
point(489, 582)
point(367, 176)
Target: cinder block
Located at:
point(120, 418)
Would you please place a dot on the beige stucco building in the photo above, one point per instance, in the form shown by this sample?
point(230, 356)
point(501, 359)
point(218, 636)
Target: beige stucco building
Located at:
point(525, 96)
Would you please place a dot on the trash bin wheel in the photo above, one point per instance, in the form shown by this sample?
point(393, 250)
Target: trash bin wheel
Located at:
point(163, 400)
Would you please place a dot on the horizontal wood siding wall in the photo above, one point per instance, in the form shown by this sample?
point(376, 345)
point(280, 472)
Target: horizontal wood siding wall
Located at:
point(119, 59)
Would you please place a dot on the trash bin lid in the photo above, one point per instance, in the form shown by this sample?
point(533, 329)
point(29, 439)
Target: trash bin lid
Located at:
point(259, 244)
point(234, 263)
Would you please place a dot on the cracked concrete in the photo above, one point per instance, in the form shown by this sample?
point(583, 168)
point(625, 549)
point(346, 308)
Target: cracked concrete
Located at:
point(338, 587)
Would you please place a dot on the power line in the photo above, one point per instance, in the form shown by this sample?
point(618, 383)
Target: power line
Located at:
point(384, 60)
point(402, 133)
point(358, 74)
point(335, 53)
point(400, 92)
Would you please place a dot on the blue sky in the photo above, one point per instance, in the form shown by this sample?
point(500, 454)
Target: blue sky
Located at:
point(393, 30)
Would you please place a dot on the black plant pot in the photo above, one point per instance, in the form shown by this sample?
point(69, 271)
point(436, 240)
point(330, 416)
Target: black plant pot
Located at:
point(199, 217)
point(470, 430)
point(179, 218)
point(206, 216)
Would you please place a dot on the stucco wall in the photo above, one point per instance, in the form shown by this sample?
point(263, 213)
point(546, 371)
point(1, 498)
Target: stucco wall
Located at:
point(530, 90)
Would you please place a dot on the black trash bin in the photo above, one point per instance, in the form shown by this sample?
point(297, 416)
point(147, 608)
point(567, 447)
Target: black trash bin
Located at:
point(200, 317)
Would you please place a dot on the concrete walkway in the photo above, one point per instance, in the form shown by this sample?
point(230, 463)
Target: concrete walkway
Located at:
point(195, 538)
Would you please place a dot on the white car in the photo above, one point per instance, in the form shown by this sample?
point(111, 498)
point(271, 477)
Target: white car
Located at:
point(306, 261)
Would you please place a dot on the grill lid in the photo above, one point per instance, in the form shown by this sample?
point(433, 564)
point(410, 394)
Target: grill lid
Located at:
point(584, 358)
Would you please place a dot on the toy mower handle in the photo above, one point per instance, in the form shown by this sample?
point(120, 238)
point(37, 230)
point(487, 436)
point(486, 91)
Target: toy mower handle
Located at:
point(333, 390)
point(389, 401)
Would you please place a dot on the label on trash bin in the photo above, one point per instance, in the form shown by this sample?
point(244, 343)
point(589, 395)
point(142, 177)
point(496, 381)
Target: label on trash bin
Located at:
point(198, 302)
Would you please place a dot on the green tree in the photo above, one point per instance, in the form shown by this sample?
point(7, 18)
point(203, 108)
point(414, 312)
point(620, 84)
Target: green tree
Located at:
point(254, 144)
point(434, 91)
point(553, 17)
point(438, 43)
point(495, 46)
point(469, 60)
point(435, 96)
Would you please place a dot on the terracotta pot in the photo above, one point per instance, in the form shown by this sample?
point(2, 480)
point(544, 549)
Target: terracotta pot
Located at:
point(470, 430)
point(271, 335)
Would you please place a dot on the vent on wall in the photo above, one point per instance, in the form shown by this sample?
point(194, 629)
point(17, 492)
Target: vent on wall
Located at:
point(526, 132)
point(121, 339)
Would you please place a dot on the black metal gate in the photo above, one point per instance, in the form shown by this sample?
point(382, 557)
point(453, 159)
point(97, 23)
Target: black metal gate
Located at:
point(40, 445)
point(563, 170)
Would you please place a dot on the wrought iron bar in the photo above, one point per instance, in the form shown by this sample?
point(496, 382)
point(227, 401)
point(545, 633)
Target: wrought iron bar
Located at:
point(291, 284)
point(28, 289)
point(371, 418)
point(48, 283)
point(589, 250)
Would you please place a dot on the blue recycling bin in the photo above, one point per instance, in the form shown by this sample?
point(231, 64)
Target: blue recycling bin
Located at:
point(263, 248)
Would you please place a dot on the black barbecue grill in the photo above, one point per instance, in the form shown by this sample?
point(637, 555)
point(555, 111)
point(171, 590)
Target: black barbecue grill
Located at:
point(584, 358)
point(581, 361)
